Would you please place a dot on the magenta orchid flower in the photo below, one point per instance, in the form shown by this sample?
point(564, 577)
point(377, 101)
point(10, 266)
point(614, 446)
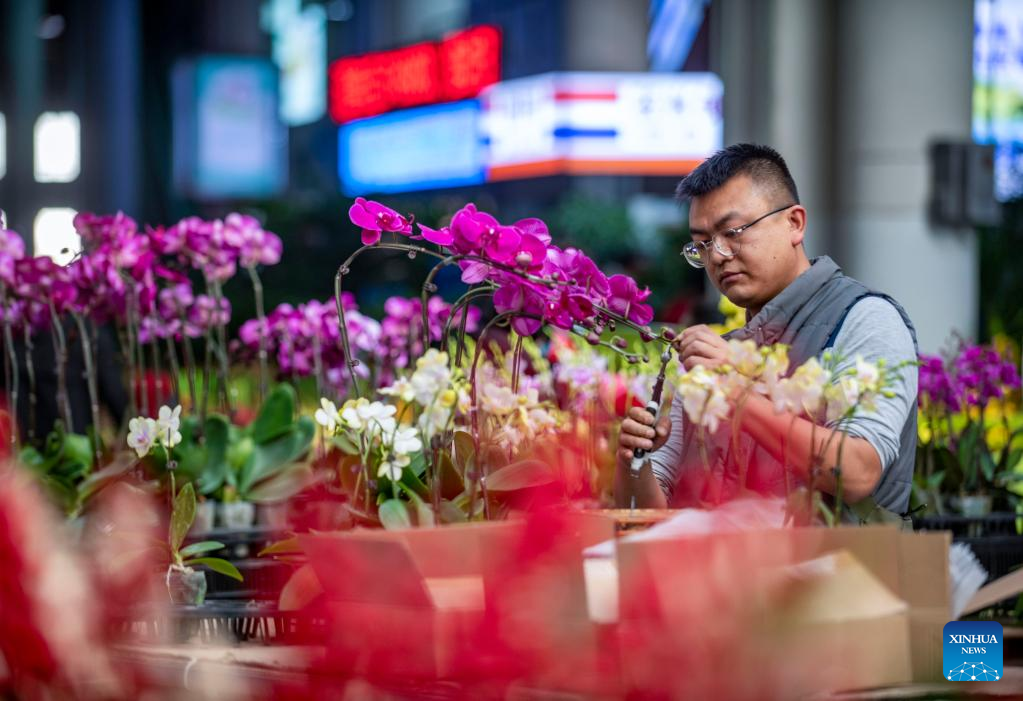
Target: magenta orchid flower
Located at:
point(12, 248)
point(256, 246)
point(626, 299)
point(523, 298)
point(374, 218)
point(441, 237)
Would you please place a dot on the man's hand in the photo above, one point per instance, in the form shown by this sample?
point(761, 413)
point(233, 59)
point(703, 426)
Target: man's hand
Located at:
point(639, 431)
point(698, 345)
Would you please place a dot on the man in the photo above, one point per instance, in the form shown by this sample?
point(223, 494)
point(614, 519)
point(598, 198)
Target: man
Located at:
point(747, 230)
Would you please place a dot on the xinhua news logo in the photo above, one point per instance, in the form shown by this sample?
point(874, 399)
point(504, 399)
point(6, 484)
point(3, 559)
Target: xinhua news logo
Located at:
point(973, 651)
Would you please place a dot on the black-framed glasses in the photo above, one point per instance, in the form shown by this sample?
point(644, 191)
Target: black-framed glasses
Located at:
point(726, 242)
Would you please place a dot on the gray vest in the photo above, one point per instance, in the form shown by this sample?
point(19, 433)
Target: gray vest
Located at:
point(805, 316)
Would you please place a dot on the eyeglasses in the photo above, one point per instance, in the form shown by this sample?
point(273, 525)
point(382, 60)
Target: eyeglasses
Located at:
point(726, 242)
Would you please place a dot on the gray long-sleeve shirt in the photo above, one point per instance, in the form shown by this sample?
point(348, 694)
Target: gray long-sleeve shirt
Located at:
point(872, 329)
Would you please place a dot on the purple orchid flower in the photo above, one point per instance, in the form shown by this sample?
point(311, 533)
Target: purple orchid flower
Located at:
point(12, 248)
point(374, 218)
point(626, 299)
point(521, 297)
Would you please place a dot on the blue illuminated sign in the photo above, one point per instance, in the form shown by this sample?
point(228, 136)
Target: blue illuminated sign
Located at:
point(417, 149)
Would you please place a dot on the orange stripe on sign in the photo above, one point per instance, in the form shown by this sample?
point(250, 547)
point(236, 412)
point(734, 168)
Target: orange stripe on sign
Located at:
point(566, 95)
point(533, 169)
point(610, 167)
point(556, 166)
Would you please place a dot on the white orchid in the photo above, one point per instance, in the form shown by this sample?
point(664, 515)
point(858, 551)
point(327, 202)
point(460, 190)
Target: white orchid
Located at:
point(372, 417)
point(327, 415)
point(392, 469)
point(432, 376)
point(857, 388)
point(746, 357)
point(168, 424)
point(404, 441)
point(401, 388)
point(803, 391)
point(143, 434)
point(703, 397)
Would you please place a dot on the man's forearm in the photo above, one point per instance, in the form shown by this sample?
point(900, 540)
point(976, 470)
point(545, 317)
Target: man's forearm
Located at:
point(860, 464)
point(646, 488)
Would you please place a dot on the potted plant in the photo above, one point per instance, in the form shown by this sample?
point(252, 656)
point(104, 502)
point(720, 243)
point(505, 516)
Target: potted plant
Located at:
point(971, 442)
point(260, 464)
point(185, 584)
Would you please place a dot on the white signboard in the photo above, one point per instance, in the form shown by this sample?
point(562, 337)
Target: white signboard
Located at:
point(653, 123)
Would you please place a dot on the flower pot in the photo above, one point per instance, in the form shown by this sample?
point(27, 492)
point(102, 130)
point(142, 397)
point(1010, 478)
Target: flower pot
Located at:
point(186, 586)
point(974, 505)
point(272, 515)
point(205, 516)
point(236, 515)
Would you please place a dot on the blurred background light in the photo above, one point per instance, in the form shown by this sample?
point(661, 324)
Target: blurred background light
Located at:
point(998, 89)
point(673, 28)
point(54, 235)
point(300, 52)
point(58, 151)
point(417, 149)
point(228, 137)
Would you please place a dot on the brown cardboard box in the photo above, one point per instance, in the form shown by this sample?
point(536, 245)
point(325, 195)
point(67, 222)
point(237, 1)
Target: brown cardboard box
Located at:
point(474, 600)
point(731, 574)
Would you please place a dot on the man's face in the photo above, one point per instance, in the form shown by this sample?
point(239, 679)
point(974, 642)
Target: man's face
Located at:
point(769, 255)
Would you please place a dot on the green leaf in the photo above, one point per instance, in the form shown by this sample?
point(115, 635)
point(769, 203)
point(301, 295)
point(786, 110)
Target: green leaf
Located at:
point(182, 516)
point(345, 444)
point(967, 445)
point(109, 474)
point(450, 513)
point(190, 454)
point(424, 513)
point(288, 546)
point(412, 481)
point(987, 466)
point(417, 464)
point(283, 485)
point(217, 565)
point(465, 450)
point(30, 457)
point(269, 458)
point(204, 546)
point(394, 515)
point(214, 470)
point(521, 475)
point(78, 451)
point(451, 482)
point(276, 416)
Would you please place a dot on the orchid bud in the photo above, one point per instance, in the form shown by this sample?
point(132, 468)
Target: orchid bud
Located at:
point(619, 342)
point(592, 338)
point(668, 334)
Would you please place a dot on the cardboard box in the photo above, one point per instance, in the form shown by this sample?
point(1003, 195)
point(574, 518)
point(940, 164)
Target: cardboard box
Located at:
point(480, 600)
point(731, 574)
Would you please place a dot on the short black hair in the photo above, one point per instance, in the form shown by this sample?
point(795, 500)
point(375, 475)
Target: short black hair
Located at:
point(762, 164)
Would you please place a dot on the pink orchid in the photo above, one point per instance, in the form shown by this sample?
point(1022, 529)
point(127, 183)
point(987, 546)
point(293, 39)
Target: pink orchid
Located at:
point(256, 246)
point(106, 230)
point(574, 266)
point(521, 297)
point(12, 248)
point(441, 237)
point(566, 308)
point(534, 227)
point(374, 218)
point(626, 299)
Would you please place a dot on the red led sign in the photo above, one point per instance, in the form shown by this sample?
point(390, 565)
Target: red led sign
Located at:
point(453, 69)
